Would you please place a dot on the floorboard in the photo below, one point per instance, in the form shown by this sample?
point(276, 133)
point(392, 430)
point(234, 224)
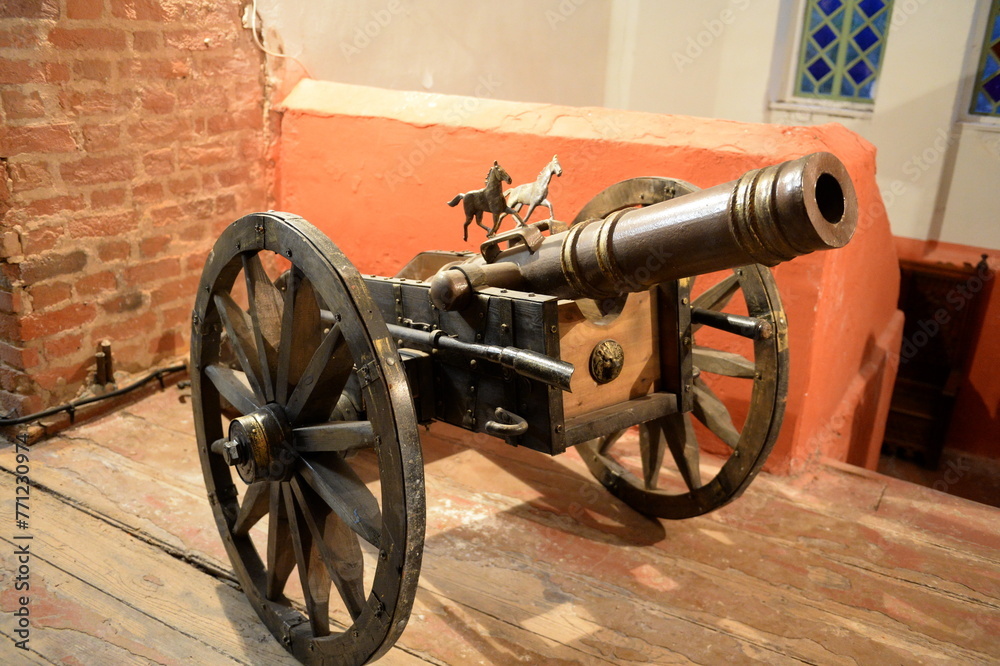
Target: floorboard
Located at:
point(527, 560)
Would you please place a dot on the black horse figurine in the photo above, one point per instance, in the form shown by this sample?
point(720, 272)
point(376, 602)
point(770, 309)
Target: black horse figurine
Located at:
point(534, 194)
point(490, 198)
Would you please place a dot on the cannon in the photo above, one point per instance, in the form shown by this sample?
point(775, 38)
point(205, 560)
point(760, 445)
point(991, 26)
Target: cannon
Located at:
point(648, 333)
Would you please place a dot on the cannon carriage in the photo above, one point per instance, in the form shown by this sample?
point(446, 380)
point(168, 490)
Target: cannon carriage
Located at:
point(309, 383)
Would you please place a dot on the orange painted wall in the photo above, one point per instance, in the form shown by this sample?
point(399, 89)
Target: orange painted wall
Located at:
point(373, 169)
point(975, 425)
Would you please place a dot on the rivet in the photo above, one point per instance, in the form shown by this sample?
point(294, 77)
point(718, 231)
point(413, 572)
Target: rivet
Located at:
point(553, 329)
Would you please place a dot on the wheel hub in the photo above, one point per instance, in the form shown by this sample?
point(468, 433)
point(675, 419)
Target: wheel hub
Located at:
point(259, 445)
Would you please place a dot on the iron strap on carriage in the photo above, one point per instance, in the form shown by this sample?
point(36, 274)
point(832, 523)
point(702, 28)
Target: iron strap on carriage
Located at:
point(308, 388)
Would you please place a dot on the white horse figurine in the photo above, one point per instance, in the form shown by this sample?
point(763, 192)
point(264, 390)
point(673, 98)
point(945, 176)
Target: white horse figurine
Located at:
point(533, 194)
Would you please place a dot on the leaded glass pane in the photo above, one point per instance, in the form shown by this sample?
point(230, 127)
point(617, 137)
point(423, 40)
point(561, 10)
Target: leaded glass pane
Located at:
point(986, 97)
point(842, 46)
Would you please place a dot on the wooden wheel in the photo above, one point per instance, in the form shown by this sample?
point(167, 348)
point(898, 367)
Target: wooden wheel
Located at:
point(739, 336)
point(319, 470)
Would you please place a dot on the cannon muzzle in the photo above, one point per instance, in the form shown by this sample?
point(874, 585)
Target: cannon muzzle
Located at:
point(766, 216)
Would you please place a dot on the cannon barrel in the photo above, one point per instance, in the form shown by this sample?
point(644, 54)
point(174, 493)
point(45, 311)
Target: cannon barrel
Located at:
point(766, 216)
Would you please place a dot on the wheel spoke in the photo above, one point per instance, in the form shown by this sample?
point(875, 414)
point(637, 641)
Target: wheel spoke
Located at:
point(233, 385)
point(651, 452)
point(312, 571)
point(319, 371)
point(256, 502)
point(337, 545)
point(721, 362)
point(345, 493)
point(609, 441)
point(679, 433)
point(338, 436)
point(265, 317)
point(306, 329)
point(287, 344)
point(237, 326)
point(718, 295)
point(280, 558)
point(713, 413)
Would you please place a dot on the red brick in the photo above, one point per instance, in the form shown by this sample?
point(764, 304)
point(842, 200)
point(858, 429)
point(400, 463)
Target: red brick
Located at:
point(87, 38)
point(92, 70)
point(95, 284)
point(114, 250)
point(145, 41)
point(41, 240)
point(160, 129)
point(153, 271)
point(194, 40)
point(40, 207)
point(144, 10)
point(196, 261)
point(177, 317)
point(14, 380)
point(230, 67)
point(10, 326)
point(97, 138)
point(95, 170)
point(147, 193)
point(225, 204)
point(124, 303)
point(19, 358)
point(46, 295)
point(29, 176)
point(38, 139)
point(32, 9)
point(107, 198)
point(158, 101)
point(16, 404)
point(39, 325)
point(53, 265)
point(19, 37)
point(206, 154)
point(166, 215)
point(185, 185)
point(150, 247)
point(71, 376)
point(236, 176)
point(170, 343)
point(107, 224)
point(151, 68)
point(84, 9)
point(17, 105)
point(94, 102)
point(159, 162)
point(139, 326)
point(176, 289)
point(63, 346)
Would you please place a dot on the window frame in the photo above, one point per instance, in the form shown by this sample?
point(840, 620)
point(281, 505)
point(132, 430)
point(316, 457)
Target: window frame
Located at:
point(784, 97)
point(969, 85)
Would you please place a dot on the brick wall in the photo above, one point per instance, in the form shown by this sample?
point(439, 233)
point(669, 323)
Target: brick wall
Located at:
point(131, 132)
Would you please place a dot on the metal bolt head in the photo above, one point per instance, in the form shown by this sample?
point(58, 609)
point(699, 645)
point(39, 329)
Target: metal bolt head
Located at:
point(231, 452)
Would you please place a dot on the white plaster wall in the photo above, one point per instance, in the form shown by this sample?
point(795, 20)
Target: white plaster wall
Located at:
point(714, 58)
point(523, 50)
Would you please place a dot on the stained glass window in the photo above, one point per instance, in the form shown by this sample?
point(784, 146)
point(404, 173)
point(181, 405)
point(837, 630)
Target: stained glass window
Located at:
point(986, 96)
point(843, 43)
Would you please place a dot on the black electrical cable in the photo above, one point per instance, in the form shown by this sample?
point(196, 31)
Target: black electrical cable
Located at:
point(70, 407)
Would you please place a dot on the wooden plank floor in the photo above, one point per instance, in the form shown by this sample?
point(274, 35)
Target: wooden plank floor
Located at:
point(527, 560)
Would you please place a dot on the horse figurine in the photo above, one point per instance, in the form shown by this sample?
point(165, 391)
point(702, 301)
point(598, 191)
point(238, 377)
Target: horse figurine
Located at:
point(490, 198)
point(534, 194)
